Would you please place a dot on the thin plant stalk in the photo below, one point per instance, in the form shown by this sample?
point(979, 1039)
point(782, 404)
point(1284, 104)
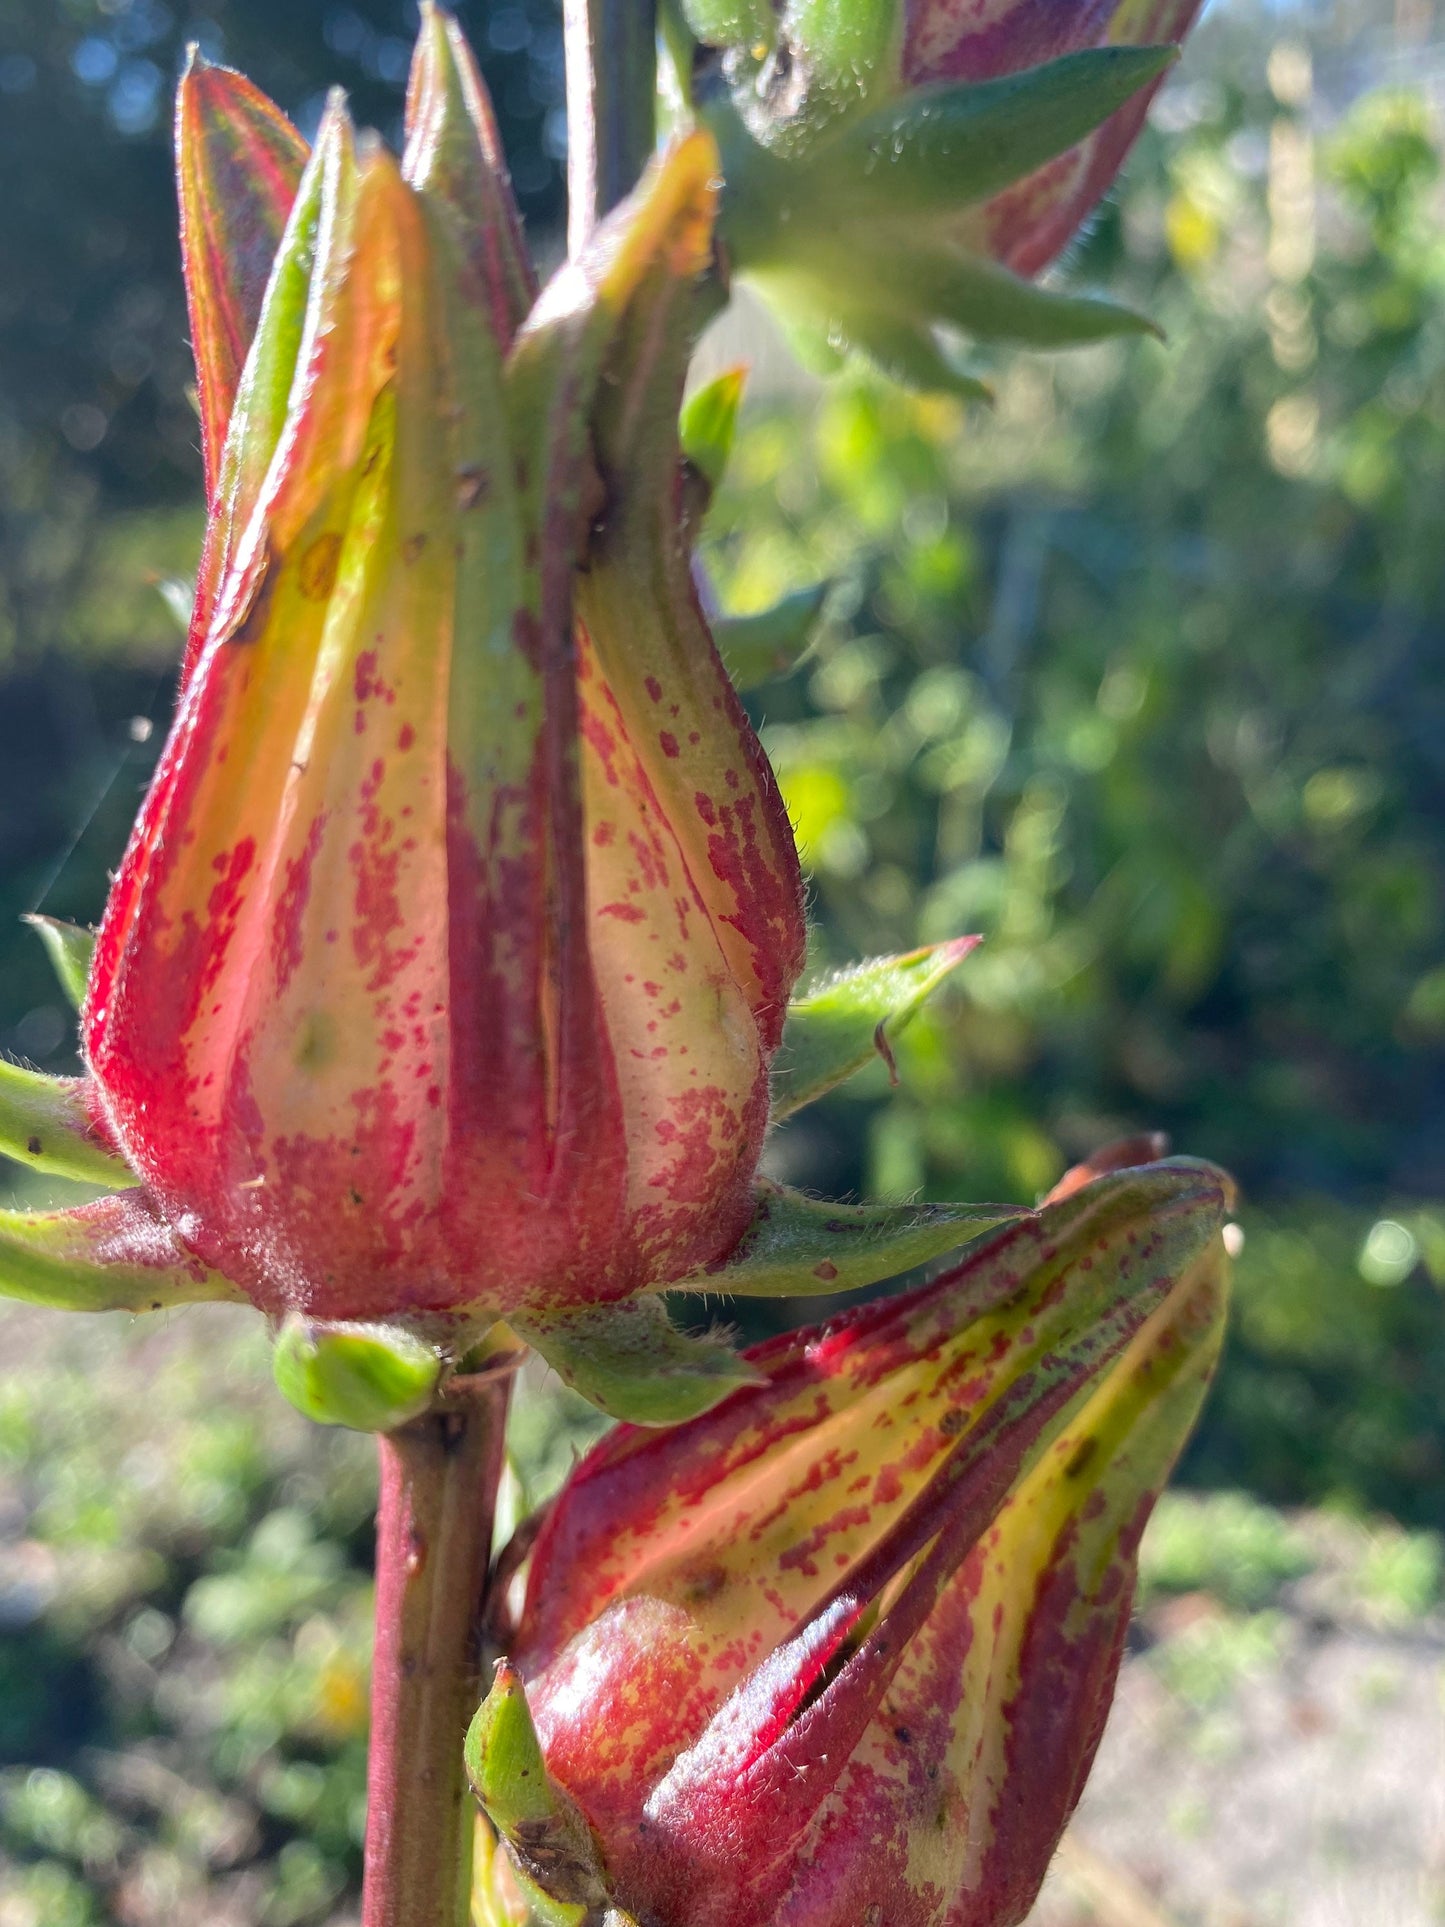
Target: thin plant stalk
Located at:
point(611, 50)
point(439, 1480)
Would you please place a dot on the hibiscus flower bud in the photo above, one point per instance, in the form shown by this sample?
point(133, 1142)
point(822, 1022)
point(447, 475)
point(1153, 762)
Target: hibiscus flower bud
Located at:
point(840, 1652)
point(445, 964)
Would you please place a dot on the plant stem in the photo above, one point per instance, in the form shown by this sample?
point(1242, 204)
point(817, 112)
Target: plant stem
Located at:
point(433, 1543)
point(611, 48)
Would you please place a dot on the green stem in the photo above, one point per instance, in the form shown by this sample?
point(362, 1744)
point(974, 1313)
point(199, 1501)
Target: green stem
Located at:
point(611, 48)
point(433, 1544)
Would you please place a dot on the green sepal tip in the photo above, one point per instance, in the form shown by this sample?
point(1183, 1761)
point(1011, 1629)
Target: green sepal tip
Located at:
point(707, 425)
point(45, 1123)
point(800, 1247)
point(852, 1018)
point(551, 1844)
point(631, 1361)
point(113, 1255)
point(70, 947)
point(369, 1378)
point(938, 148)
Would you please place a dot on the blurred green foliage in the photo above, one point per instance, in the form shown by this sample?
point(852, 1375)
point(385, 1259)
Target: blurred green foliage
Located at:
point(185, 1625)
point(184, 1634)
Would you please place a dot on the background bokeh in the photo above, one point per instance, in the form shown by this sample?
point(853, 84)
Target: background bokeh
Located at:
point(1141, 674)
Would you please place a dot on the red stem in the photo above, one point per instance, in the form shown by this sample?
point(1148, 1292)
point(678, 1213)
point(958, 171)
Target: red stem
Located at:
point(433, 1543)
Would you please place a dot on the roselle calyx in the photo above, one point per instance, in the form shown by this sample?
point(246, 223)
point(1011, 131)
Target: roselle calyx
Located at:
point(899, 171)
point(446, 978)
point(840, 1651)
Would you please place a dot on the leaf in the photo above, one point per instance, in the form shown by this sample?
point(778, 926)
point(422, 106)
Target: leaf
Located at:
point(47, 1123)
point(633, 1363)
point(114, 1255)
point(238, 164)
point(854, 1017)
point(799, 1247)
point(70, 949)
point(938, 148)
point(370, 1378)
point(773, 641)
point(708, 424)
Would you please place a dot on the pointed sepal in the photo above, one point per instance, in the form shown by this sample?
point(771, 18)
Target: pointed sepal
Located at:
point(114, 1255)
point(632, 1362)
point(774, 641)
point(454, 157)
point(238, 164)
point(70, 948)
point(960, 289)
point(934, 149)
point(801, 1247)
point(909, 352)
point(549, 1840)
point(707, 426)
point(854, 1017)
point(47, 1123)
point(659, 683)
point(369, 1378)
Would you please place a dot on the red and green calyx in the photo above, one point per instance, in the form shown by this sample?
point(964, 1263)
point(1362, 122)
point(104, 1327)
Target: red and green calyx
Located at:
point(840, 1651)
point(446, 976)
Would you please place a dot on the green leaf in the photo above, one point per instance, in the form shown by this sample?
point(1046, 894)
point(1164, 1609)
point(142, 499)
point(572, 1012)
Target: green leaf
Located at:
point(370, 1378)
point(708, 424)
point(853, 1017)
point(114, 1255)
point(799, 1247)
point(70, 949)
point(774, 641)
point(45, 1123)
point(633, 1363)
point(938, 148)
